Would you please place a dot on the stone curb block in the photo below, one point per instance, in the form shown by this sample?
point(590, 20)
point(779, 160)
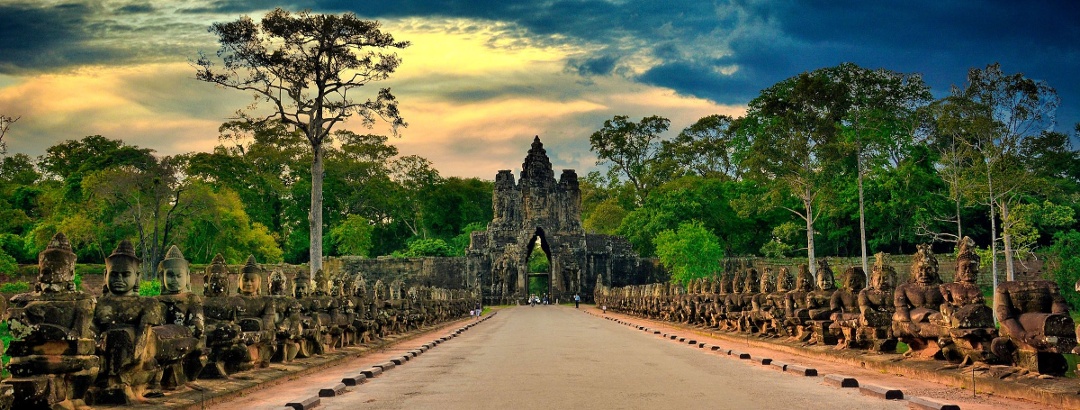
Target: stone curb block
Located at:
point(741, 355)
point(673, 337)
point(924, 403)
point(397, 361)
point(682, 339)
point(714, 348)
point(886, 393)
point(386, 366)
point(306, 404)
point(763, 361)
point(655, 332)
point(337, 390)
point(781, 365)
point(701, 345)
point(371, 372)
point(416, 353)
point(841, 380)
point(691, 341)
point(354, 380)
point(805, 371)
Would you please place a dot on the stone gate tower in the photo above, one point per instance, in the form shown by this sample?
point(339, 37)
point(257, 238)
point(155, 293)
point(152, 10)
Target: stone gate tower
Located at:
point(540, 209)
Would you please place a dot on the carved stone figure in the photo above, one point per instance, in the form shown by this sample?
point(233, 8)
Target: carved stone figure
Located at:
point(1035, 325)
point(228, 354)
point(256, 316)
point(53, 358)
point(845, 305)
point(795, 310)
point(315, 317)
point(917, 320)
point(288, 325)
point(876, 309)
point(964, 312)
point(124, 321)
point(179, 343)
point(819, 307)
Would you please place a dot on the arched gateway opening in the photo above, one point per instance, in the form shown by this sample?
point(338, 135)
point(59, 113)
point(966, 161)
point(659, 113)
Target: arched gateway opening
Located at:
point(540, 210)
point(538, 276)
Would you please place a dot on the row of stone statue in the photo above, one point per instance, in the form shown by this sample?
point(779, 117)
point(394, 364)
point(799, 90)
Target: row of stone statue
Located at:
point(949, 321)
point(73, 349)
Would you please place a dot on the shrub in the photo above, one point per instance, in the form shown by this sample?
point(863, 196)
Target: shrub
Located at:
point(149, 288)
point(15, 287)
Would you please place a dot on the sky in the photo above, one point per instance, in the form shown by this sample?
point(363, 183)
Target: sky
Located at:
point(482, 77)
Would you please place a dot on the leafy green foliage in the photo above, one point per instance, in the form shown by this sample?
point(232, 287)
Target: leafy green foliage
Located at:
point(149, 288)
point(690, 252)
point(538, 261)
point(425, 247)
point(15, 287)
point(1065, 266)
point(353, 236)
point(8, 265)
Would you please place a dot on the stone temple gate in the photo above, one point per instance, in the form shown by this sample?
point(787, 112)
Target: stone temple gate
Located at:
point(540, 209)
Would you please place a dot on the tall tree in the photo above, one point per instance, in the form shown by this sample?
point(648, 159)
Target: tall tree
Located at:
point(632, 149)
point(1016, 108)
point(878, 119)
point(794, 126)
point(5, 125)
point(705, 148)
point(308, 67)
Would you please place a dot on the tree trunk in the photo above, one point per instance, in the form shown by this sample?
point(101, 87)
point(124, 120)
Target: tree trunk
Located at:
point(1006, 238)
point(993, 231)
point(810, 236)
point(315, 219)
point(862, 222)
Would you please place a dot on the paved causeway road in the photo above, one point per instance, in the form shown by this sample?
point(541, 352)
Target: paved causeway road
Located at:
point(556, 357)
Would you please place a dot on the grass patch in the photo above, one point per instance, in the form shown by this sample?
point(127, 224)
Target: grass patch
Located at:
point(902, 347)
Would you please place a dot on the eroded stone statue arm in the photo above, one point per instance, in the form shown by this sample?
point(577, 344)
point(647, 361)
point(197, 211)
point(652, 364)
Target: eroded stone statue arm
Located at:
point(1007, 317)
point(901, 302)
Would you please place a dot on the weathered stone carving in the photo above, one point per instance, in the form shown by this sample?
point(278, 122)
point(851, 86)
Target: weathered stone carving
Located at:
point(289, 325)
point(917, 320)
point(1035, 325)
point(53, 357)
point(126, 341)
point(873, 329)
point(228, 354)
point(969, 321)
point(256, 315)
point(179, 343)
point(845, 306)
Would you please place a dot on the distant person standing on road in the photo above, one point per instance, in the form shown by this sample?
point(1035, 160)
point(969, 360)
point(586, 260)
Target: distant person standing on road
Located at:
point(577, 300)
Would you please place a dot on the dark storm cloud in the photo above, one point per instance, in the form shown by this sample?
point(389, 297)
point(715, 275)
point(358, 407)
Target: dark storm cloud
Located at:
point(135, 9)
point(771, 41)
point(33, 37)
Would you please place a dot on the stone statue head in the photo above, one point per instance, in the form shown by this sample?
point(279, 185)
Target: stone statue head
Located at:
point(250, 277)
point(302, 284)
point(322, 283)
point(216, 281)
point(882, 275)
point(360, 286)
point(768, 281)
point(276, 283)
point(56, 266)
point(751, 282)
point(967, 262)
point(122, 270)
point(924, 266)
point(783, 279)
point(825, 278)
point(174, 273)
point(804, 281)
point(854, 279)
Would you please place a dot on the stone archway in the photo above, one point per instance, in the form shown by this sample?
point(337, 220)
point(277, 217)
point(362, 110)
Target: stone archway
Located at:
point(539, 206)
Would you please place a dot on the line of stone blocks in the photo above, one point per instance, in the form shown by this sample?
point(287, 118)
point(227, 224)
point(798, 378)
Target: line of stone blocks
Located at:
point(886, 393)
point(841, 380)
point(805, 371)
point(372, 372)
point(306, 404)
point(924, 403)
point(337, 390)
point(355, 380)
